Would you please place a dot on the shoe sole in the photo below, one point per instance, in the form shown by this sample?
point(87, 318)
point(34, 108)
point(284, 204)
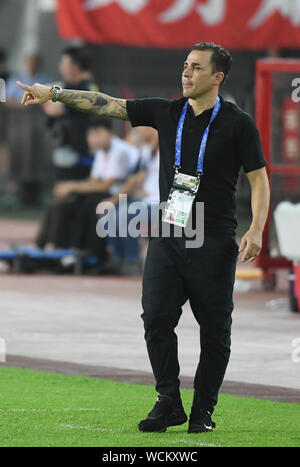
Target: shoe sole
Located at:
point(161, 430)
point(164, 428)
point(178, 422)
point(199, 429)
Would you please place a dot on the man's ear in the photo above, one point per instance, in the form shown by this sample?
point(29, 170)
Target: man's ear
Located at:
point(220, 77)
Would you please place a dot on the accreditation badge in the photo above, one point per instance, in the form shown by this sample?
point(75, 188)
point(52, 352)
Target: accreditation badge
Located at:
point(180, 200)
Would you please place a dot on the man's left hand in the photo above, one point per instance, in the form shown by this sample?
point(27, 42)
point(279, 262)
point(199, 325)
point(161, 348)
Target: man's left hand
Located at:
point(63, 189)
point(251, 244)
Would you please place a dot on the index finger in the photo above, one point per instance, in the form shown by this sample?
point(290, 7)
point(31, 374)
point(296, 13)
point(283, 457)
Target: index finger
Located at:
point(24, 86)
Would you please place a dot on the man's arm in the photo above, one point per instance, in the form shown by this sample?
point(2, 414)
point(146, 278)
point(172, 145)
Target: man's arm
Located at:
point(260, 201)
point(92, 185)
point(96, 103)
point(130, 186)
point(85, 101)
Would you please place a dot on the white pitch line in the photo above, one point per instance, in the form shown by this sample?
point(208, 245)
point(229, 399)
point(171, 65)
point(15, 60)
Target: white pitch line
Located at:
point(90, 428)
point(196, 444)
point(64, 409)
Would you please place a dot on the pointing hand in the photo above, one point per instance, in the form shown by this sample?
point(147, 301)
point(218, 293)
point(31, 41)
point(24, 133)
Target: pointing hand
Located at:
point(36, 94)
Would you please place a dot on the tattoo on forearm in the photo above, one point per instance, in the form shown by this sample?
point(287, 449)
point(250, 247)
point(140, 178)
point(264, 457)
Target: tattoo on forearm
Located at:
point(95, 102)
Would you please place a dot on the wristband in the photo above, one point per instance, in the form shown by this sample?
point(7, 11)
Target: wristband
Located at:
point(57, 90)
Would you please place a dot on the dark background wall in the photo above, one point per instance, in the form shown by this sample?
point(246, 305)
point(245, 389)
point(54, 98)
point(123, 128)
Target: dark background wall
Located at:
point(147, 72)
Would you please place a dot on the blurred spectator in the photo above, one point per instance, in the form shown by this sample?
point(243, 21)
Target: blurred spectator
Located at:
point(4, 74)
point(27, 157)
point(33, 75)
point(150, 160)
point(142, 186)
point(115, 160)
point(70, 220)
point(72, 157)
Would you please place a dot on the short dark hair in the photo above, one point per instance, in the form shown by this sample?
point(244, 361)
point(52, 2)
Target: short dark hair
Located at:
point(99, 122)
point(221, 59)
point(78, 55)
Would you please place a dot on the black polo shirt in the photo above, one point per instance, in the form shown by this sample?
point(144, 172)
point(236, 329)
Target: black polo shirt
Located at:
point(233, 142)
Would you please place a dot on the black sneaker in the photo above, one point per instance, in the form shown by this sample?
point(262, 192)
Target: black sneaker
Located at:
point(165, 412)
point(200, 421)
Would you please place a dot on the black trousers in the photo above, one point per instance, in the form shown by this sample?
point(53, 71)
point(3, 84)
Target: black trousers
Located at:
point(205, 276)
point(84, 234)
point(71, 223)
point(57, 222)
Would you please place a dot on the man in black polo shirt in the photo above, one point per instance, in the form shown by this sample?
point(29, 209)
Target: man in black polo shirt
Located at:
point(72, 158)
point(214, 139)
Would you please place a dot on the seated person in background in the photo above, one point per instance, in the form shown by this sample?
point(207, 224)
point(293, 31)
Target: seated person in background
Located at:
point(143, 186)
point(113, 164)
point(67, 221)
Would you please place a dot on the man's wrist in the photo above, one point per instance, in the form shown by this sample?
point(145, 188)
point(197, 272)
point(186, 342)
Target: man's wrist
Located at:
point(78, 187)
point(51, 94)
point(255, 228)
point(56, 92)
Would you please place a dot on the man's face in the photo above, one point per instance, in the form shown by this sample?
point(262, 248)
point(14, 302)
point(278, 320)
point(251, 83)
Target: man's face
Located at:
point(99, 138)
point(198, 77)
point(68, 69)
point(32, 64)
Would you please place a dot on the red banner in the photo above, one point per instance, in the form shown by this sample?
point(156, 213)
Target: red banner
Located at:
point(236, 24)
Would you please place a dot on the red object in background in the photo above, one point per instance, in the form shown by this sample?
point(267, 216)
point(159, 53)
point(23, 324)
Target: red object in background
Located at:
point(297, 283)
point(235, 24)
point(265, 68)
point(290, 142)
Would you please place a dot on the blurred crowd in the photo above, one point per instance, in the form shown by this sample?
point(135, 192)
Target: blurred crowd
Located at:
point(91, 164)
point(80, 160)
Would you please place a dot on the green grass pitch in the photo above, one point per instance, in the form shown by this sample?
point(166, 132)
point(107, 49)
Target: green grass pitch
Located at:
point(48, 409)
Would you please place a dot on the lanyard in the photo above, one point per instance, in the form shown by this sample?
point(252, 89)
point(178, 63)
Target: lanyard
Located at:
point(203, 141)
